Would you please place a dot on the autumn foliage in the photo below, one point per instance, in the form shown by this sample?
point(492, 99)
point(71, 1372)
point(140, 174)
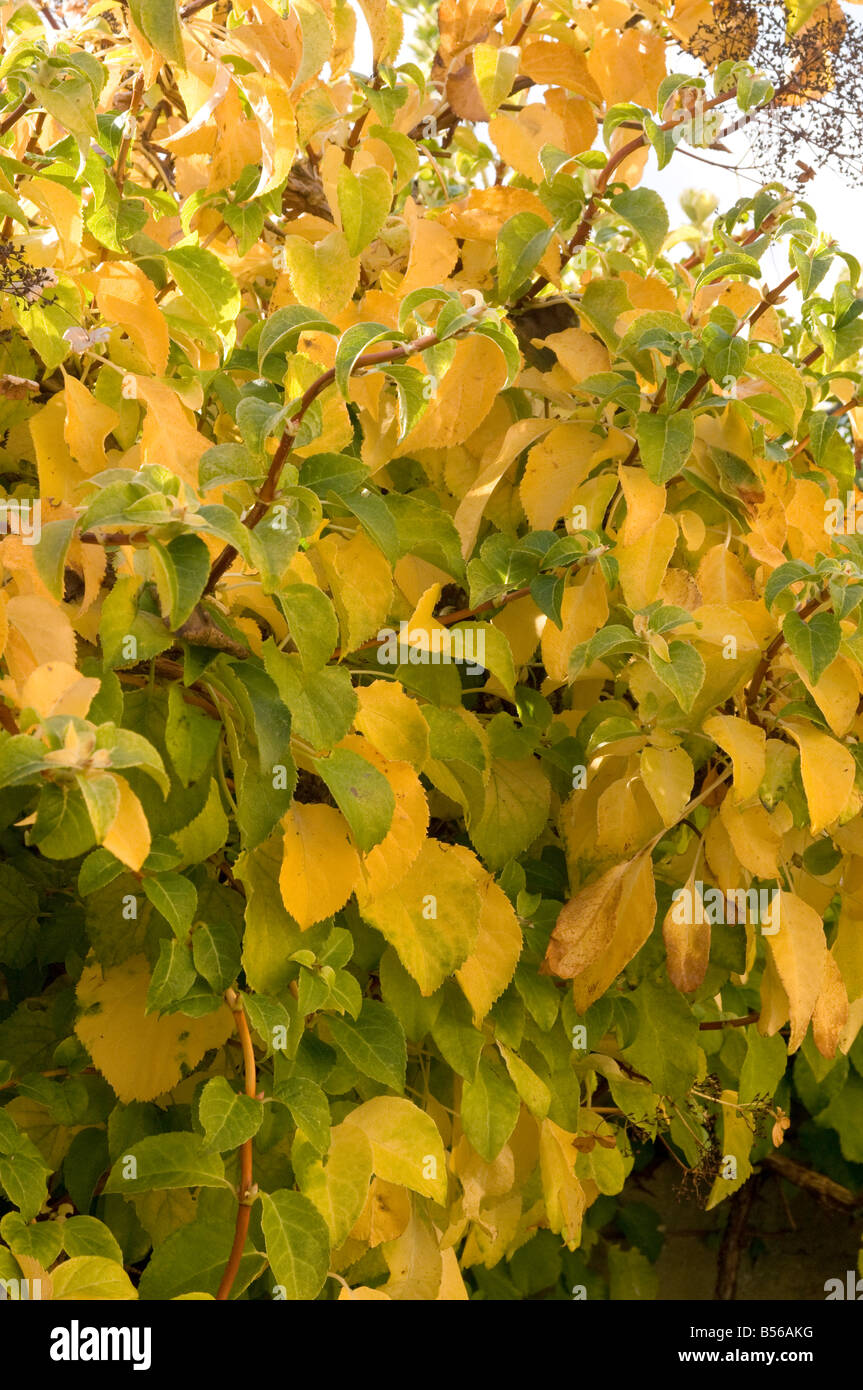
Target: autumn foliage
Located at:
point(431, 767)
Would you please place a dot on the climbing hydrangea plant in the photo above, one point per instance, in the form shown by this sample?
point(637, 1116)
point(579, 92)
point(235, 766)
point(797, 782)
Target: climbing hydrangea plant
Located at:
point(431, 774)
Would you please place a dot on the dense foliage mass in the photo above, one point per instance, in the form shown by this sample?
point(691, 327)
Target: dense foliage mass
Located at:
point(431, 766)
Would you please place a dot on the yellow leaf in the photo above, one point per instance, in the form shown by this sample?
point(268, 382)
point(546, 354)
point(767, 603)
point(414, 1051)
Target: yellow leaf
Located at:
point(320, 867)
point(57, 688)
point(565, 1200)
point(836, 694)
point(583, 611)
point(578, 352)
point(756, 842)
point(491, 964)
point(478, 495)
point(645, 503)
point(39, 632)
point(799, 952)
point(360, 580)
point(414, 1260)
point(92, 1277)
point(830, 1014)
point(736, 1143)
point(633, 924)
point(452, 1286)
point(363, 1293)
point(687, 942)
point(88, 422)
point(433, 255)
point(169, 433)
point(406, 1144)
point(827, 769)
point(586, 924)
point(129, 837)
point(139, 1054)
point(667, 774)
point(385, 1215)
point(387, 863)
point(392, 721)
point(643, 563)
point(462, 400)
point(745, 744)
point(555, 467)
point(126, 297)
point(431, 917)
point(323, 275)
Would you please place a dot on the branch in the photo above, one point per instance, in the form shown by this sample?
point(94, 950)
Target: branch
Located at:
point(733, 1240)
point(129, 131)
point(246, 1193)
point(824, 1188)
point(8, 121)
point(754, 687)
point(715, 1024)
point(267, 494)
point(583, 230)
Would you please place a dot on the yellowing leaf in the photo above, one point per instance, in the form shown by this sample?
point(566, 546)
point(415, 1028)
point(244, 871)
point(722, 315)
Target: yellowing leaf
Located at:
point(462, 400)
point(431, 917)
point(323, 274)
point(756, 842)
point(555, 468)
point(92, 1277)
point(88, 421)
point(392, 721)
point(57, 688)
point(565, 1200)
point(583, 611)
point(579, 352)
point(406, 1145)
point(687, 941)
point(644, 562)
point(491, 964)
point(799, 952)
point(585, 924)
point(126, 297)
point(645, 503)
point(476, 499)
point(667, 774)
point(827, 769)
point(360, 580)
point(39, 632)
point(139, 1054)
point(320, 866)
point(633, 923)
point(830, 1014)
point(129, 836)
point(745, 744)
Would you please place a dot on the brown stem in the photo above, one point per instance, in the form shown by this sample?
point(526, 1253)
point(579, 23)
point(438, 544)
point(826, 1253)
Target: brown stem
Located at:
point(715, 1024)
point(8, 121)
point(824, 1188)
point(129, 131)
point(733, 1241)
point(525, 23)
point(754, 687)
point(583, 230)
point(244, 1209)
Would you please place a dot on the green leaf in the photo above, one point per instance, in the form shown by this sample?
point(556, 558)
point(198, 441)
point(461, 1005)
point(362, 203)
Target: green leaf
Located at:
point(665, 1049)
point(192, 1260)
point(216, 953)
point(726, 264)
point(282, 330)
point(163, 1161)
point(182, 568)
point(375, 1043)
point(309, 1107)
point(665, 443)
point(362, 794)
point(489, 1108)
point(815, 642)
point(85, 1235)
point(229, 1118)
point(176, 898)
point(298, 1243)
point(683, 674)
point(313, 624)
point(191, 737)
point(364, 204)
point(322, 703)
point(159, 22)
point(37, 1240)
point(23, 1171)
point(783, 576)
point(521, 245)
point(19, 918)
point(49, 556)
point(645, 212)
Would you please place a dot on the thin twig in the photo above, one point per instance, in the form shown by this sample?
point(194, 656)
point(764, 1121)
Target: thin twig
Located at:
point(245, 1192)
